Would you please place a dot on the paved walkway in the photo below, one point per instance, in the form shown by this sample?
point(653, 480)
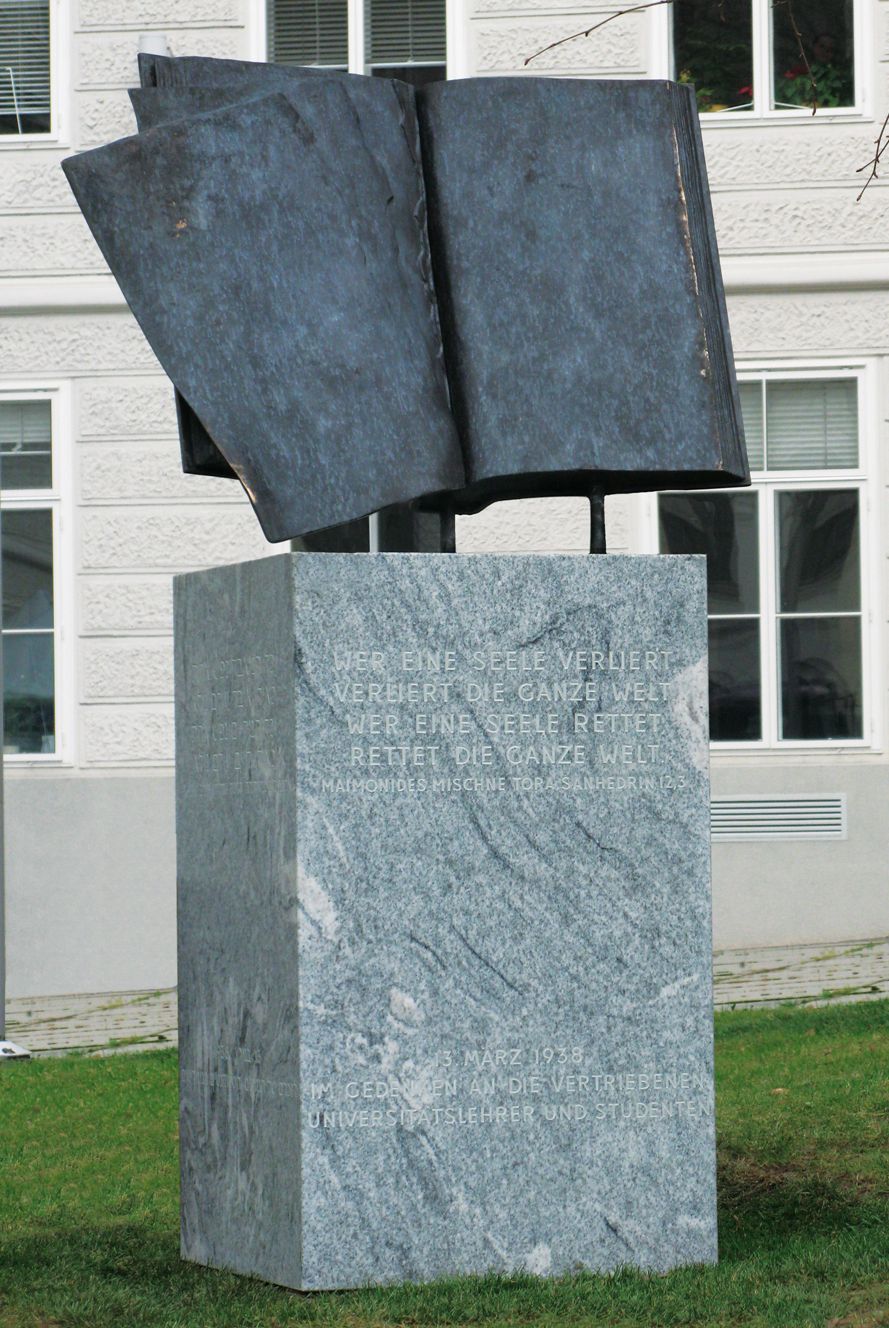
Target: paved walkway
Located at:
point(742, 979)
point(113, 1021)
point(807, 974)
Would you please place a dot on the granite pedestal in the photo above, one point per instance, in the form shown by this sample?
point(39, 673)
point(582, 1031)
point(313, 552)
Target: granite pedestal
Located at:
point(444, 916)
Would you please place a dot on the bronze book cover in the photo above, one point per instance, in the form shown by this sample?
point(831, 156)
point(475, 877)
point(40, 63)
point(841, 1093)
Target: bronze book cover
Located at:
point(368, 294)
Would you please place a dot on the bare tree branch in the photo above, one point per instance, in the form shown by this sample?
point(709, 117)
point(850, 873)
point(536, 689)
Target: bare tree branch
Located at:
point(881, 143)
point(632, 9)
point(788, 5)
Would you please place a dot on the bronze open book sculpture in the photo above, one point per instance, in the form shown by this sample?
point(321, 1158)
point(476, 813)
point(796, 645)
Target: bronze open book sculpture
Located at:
point(369, 295)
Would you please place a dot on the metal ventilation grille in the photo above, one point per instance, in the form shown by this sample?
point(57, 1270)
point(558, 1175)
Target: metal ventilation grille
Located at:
point(790, 816)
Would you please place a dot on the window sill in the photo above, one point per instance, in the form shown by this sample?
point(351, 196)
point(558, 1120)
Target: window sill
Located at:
point(816, 750)
point(760, 120)
point(16, 142)
point(34, 761)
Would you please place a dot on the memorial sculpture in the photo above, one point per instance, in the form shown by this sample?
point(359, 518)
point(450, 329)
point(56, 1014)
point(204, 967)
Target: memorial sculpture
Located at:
point(445, 980)
point(476, 290)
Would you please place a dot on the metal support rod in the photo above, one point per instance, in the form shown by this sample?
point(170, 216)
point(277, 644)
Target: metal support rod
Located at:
point(448, 531)
point(597, 520)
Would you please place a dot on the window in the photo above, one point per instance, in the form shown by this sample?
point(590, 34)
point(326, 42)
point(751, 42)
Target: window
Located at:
point(28, 534)
point(764, 56)
point(396, 38)
point(784, 567)
point(25, 102)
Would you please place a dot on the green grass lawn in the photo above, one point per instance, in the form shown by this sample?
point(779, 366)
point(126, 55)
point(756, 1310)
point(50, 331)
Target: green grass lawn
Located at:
point(88, 1202)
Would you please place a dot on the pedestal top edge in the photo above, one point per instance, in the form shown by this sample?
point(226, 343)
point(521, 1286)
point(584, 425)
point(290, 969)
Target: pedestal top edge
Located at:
point(558, 559)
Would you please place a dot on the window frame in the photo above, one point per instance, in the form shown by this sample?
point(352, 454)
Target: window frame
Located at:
point(763, 71)
point(59, 81)
point(57, 500)
point(767, 485)
point(456, 52)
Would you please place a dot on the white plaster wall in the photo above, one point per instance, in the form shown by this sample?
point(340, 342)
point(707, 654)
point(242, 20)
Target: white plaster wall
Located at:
point(132, 519)
point(796, 891)
point(777, 188)
point(89, 847)
point(137, 520)
point(544, 525)
point(787, 892)
point(41, 231)
point(781, 190)
point(91, 897)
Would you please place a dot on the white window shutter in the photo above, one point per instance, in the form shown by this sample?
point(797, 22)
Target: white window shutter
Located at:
point(309, 32)
point(24, 425)
point(403, 32)
point(812, 425)
point(24, 59)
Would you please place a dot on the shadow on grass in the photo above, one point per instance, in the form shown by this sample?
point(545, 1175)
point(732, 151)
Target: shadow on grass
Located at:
point(772, 1221)
point(763, 1206)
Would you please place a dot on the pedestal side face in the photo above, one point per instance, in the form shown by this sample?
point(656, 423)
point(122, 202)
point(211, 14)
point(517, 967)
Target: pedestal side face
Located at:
point(236, 854)
point(504, 915)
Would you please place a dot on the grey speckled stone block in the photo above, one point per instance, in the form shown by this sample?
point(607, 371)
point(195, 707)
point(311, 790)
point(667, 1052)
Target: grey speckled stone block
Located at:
point(444, 911)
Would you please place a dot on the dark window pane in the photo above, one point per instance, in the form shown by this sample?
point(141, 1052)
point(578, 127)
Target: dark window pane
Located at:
point(751, 413)
point(735, 705)
point(27, 569)
point(29, 709)
point(818, 552)
point(713, 43)
point(814, 65)
point(25, 444)
point(24, 123)
point(726, 528)
point(417, 75)
point(821, 678)
point(309, 32)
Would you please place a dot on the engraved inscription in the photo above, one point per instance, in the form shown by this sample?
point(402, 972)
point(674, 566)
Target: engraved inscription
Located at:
point(233, 726)
point(540, 1083)
point(492, 721)
point(507, 1086)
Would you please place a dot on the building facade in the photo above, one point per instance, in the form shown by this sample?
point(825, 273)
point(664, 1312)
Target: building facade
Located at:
point(97, 516)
